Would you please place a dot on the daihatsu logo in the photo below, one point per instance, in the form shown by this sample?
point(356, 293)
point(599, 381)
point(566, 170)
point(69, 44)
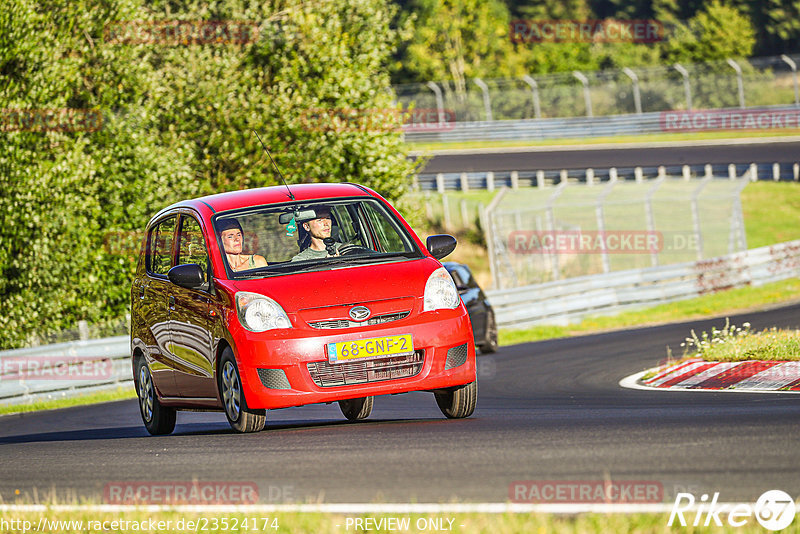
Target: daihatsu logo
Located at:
point(359, 313)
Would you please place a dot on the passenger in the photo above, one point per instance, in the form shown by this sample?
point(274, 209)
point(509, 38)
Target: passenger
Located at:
point(230, 232)
point(318, 229)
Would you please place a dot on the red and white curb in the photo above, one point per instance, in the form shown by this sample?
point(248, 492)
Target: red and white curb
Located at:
point(753, 376)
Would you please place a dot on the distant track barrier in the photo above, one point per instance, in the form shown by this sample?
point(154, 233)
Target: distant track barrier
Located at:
point(569, 300)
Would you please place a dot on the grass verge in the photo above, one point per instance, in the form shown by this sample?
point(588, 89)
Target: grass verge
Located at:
point(120, 393)
point(738, 343)
point(320, 523)
point(578, 142)
point(724, 302)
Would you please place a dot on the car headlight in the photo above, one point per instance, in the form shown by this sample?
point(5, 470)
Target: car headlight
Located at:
point(258, 313)
point(440, 291)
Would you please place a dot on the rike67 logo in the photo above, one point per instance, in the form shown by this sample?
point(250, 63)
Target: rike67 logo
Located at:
point(774, 510)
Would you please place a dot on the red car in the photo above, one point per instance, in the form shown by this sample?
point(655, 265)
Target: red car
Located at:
point(277, 297)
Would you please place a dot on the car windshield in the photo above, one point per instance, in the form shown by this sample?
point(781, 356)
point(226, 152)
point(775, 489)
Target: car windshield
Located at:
point(271, 240)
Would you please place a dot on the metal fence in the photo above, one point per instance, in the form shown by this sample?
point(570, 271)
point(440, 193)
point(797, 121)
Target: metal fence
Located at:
point(544, 234)
point(604, 102)
point(570, 300)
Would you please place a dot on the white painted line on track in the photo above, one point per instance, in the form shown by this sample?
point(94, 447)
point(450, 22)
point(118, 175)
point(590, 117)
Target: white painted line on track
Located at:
point(361, 508)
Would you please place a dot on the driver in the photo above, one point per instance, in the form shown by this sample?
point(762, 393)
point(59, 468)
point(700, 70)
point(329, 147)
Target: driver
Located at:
point(318, 229)
point(232, 237)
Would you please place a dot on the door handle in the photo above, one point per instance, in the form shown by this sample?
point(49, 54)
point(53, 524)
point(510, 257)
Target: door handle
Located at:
point(171, 302)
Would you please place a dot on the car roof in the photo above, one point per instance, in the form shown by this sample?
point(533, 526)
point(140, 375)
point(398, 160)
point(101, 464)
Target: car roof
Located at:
point(269, 195)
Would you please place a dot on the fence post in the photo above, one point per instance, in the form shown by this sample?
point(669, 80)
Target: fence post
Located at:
point(739, 82)
point(490, 181)
point(537, 110)
point(612, 174)
point(83, 330)
point(753, 172)
point(464, 215)
point(439, 101)
point(590, 176)
point(687, 88)
point(464, 182)
point(637, 97)
point(793, 66)
point(514, 180)
point(696, 216)
point(776, 171)
point(448, 224)
point(487, 102)
point(587, 97)
point(540, 179)
point(796, 171)
point(563, 176)
point(440, 183)
point(709, 171)
point(638, 174)
point(687, 173)
point(662, 171)
point(732, 171)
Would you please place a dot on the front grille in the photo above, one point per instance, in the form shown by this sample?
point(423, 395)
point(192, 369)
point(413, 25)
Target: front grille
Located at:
point(273, 379)
point(346, 323)
point(456, 356)
point(328, 375)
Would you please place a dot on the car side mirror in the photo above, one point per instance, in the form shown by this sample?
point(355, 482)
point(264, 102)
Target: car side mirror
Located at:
point(188, 275)
point(440, 245)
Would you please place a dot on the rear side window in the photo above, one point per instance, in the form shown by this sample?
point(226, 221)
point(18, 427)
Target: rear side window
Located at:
point(161, 237)
point(192, 244)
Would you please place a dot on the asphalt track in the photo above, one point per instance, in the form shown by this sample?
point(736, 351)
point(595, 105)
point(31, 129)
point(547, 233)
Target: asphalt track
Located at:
point(547, 411)
point(544, 158)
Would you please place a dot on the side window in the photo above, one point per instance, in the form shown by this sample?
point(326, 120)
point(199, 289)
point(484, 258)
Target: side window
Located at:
point(161, 246)
point(388, 238)
point(192, 244)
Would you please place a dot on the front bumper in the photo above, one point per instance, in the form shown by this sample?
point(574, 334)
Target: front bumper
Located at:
point(290, 351)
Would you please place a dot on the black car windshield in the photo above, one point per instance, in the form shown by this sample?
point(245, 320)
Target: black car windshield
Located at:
point(306, 236)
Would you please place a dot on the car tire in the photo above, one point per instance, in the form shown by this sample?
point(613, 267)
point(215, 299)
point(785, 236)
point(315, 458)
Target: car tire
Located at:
point(357, 409)
point(157, 418)
point(489, 344)
point(241, 418)
point(458, 402)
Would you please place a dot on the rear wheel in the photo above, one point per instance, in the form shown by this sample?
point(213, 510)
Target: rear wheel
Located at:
point(356, 409)
point(240, 417)
point(158, 419)
point(458, 402)
point(489, 344)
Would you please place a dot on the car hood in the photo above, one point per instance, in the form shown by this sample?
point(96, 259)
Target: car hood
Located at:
point(400, 281)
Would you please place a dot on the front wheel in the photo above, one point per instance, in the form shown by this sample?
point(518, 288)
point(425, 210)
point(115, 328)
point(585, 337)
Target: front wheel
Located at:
point(356, 409)
point(158, 419)
point(240, 417)
point(458, 402)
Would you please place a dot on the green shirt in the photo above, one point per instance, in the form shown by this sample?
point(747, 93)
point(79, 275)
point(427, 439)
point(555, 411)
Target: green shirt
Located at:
point(311, 254)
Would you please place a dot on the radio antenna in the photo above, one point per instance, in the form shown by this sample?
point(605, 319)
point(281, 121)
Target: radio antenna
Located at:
point(274, 165)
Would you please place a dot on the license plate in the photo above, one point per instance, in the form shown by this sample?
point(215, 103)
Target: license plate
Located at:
point(368, 349)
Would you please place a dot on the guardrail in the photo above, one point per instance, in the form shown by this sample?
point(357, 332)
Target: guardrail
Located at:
point(574, 127)
point(569, 300)
point(492, 180)
point(64, 369)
